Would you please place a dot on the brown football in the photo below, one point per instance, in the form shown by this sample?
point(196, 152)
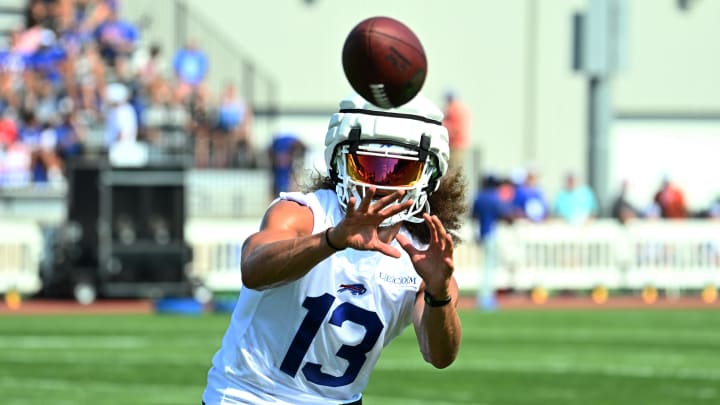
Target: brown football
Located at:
point(384, 61)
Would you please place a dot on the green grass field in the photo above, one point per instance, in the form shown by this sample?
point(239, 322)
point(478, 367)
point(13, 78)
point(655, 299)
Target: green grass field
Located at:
point(508, 357)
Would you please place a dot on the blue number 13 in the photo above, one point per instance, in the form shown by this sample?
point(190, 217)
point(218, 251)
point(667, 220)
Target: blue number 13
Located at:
point(317, 308)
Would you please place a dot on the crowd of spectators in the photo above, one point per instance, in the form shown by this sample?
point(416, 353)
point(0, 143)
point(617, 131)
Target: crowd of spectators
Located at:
point(519, 196)
point(77, 65)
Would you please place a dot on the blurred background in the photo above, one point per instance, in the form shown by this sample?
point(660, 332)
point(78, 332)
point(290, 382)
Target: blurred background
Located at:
point(142, 141)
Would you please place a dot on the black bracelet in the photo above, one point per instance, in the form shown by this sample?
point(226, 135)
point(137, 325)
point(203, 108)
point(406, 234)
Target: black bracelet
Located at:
point(436, 303)
point(327, 240)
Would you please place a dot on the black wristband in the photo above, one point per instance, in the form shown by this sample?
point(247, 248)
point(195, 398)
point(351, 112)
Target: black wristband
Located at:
point(327, 240)
point(436, 303)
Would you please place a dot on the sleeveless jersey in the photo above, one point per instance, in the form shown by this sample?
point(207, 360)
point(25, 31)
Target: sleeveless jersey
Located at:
point(316, 339)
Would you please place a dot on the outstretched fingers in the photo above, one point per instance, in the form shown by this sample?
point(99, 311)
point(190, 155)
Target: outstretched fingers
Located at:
point(395, 209)
point(387, 250)
point(438, 234)
point(367, 199)
point(432, 225)
point(406, 244)
point(351, 206)
point(389, 199)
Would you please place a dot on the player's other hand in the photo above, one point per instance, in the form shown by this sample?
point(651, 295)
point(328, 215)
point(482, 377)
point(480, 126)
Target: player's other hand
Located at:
point(435, 264)
point(360, 229)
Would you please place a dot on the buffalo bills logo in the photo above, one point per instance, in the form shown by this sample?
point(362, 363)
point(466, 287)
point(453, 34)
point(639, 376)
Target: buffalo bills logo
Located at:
point(355, 289)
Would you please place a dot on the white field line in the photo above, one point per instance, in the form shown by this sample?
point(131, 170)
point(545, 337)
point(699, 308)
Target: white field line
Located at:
point(567, 368)
point(387, 400)
point(646, 334)
point(72, 341)
point(77, 356)
point(51, 384)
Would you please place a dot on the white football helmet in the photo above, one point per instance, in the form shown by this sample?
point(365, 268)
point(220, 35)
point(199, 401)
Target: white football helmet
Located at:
point(404, 148)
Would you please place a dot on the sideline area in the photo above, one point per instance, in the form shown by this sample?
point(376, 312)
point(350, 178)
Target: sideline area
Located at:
point(505, 302)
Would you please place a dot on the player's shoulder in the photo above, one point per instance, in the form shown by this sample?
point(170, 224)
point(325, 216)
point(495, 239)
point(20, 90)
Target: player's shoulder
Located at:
point(289, 207)
point(287, 214)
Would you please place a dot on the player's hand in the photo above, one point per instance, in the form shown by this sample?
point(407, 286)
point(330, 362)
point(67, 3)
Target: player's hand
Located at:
point(435, 264)
point(360, 229)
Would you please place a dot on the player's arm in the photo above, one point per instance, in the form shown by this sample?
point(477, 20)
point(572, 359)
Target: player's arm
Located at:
point(438, 328)
point(436, 322)
point(284, 249)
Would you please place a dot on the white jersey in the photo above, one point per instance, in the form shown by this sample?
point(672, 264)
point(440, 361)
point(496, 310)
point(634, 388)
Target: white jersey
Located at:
point(317, 339)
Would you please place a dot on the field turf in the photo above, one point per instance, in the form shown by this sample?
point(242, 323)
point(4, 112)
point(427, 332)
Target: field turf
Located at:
point(508, 357)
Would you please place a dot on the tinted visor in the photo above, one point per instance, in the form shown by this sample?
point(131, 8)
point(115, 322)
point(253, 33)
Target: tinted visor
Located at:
point(383, 170)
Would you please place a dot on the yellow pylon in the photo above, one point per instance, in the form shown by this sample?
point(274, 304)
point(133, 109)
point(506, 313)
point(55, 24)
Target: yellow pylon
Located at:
point(600, 295)
point(13, 300)
point(649, 294)
point(539, 295)
point(709, 294)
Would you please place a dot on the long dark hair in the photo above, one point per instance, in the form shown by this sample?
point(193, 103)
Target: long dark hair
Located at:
point(448, 203)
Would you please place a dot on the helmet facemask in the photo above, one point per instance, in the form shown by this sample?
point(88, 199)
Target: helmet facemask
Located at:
point(404, 148)
point(388, 167)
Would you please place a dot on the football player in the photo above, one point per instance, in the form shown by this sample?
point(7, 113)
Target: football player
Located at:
point(336, 273)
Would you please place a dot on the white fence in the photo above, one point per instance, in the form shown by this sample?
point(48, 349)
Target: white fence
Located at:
point(680, 255)
point(21, 246)
point(664, 254)
point(216, 250)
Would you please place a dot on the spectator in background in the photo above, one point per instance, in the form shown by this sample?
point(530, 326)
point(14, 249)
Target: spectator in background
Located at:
point(190, 65)
point(489, 207)
point(69, 131)
point(115, 37)
point(125, 76)
point(8, 130)
point(622, 209)
point(165, 121)
point(8, 136)
point(28, 40)
point(154, 117)
point(178, 126)
point(89, 14)
point(41, 140)
point(200, 127)
point(457, 121)
point(149, 65)
point(44, 102)
point(670, 200)
point(49, 61)
point(575, 203)
point(529, 201)
point(16, 165)
point(232, 142)
point(14, 66)
point(37, 14)
point(714, 209)
point(287, 154)
point(88, 80)
point(121, 119)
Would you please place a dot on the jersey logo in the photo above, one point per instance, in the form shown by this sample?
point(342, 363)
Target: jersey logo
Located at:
point(355, 289)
